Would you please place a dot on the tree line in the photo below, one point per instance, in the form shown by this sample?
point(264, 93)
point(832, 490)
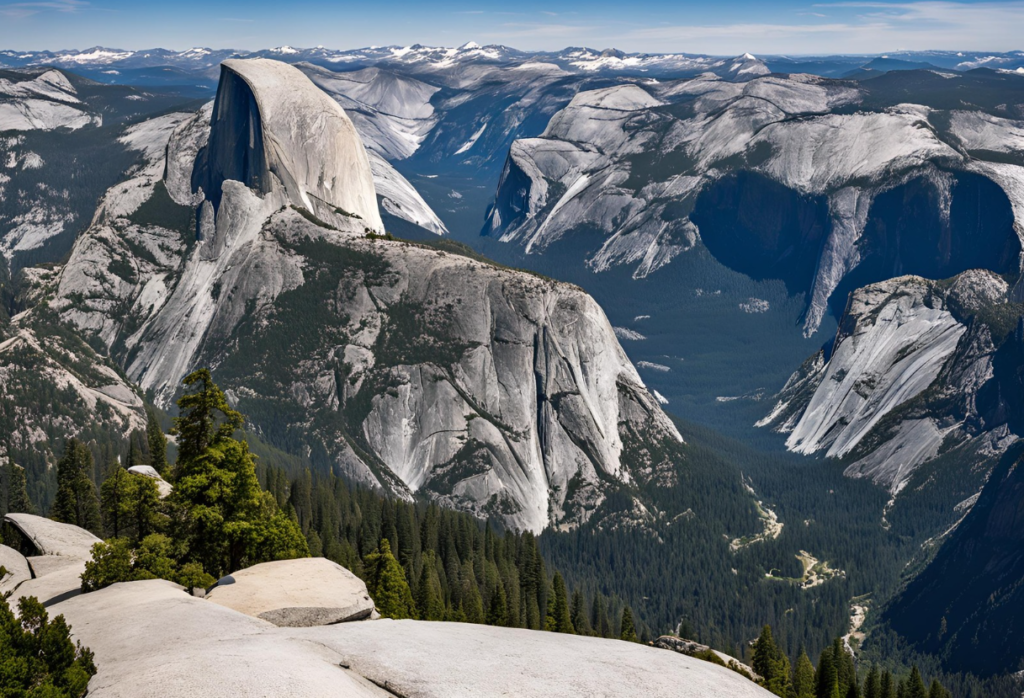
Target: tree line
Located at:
point(835, 676)
point(441, 564)
point(418, 560)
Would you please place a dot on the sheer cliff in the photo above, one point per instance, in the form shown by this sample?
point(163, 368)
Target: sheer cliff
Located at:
point(825, 184)
point(408, 367)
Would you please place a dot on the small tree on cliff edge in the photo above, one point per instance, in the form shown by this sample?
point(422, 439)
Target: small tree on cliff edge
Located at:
point(226, 520)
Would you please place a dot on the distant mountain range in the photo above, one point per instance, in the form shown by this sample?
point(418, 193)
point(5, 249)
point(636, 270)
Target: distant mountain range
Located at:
point(123, 66)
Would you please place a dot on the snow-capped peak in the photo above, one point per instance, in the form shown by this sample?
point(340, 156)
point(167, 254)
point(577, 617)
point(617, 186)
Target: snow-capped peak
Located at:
point(469, 46)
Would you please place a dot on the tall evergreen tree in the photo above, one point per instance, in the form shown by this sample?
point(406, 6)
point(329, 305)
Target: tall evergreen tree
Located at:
point(115, 500)
point(937, 690)
point(386, 582)
point(559, 620)
point(873, 684)
point(224, 517)
point(628, 632)
point(846, 671)
point(430, 596)
point(915, 685)
point(497, 612)
point(600, 619)
point(76, 501)
point(156, 442)
point(803, 677)
point(771, 663)
point(578, 614)
point(14, 490)
point(764, 654)
point(826, 676)
point(887, 685)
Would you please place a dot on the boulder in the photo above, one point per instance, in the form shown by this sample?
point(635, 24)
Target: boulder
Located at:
point(54, 538)
point(165, 488)
point(55, 573)
point(678, 644)
point(692, 649)
point(295, 593)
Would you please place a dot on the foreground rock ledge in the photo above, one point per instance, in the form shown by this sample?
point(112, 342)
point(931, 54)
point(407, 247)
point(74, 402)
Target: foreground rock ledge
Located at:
point(153, 639)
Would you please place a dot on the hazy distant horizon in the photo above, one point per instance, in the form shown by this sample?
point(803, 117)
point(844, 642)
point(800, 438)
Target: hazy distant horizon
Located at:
point(256, 49)
point(732, 27)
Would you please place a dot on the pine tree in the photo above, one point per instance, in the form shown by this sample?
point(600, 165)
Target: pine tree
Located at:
point(803, 677)
point(472, 604)
point(599, 615)
point(385, 580)
point(763, 661)
point(846, 671)
point(497, 612)
point(14, 490)
point(115, 500)
point(76, 501)
point(156, 442)
point(887, 685)
point(144, 502)
point(937, 690)
point(316, 548)
point(771, 663)
point(872, 684)
point(560, 606)
point(628, 632)
point(826, 675)
point(915, 685)
point(222, 514)
point(578, 614)
point(197, 428)
point(430, 597)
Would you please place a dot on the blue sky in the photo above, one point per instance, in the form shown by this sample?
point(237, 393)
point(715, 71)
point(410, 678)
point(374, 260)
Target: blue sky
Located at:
point(724, 27)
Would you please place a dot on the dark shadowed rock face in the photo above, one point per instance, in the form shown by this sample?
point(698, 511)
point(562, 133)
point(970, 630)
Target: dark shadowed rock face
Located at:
point(235, 150)
point(274, 131)
point(968, 604)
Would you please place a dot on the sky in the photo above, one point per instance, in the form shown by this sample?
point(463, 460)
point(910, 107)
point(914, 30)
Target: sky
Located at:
point(718, 27)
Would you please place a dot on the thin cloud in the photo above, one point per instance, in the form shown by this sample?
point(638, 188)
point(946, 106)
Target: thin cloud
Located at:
point(27, 9)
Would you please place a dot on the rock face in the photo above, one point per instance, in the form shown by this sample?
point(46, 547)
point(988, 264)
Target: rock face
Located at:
point(272, 128)
point(53, 553)
point(152, 639)
point(966, 606)
point(917, 367)
point(295, 593)
point(45, 101)
point(17, 568)
point(407, 367)
point(792, 177)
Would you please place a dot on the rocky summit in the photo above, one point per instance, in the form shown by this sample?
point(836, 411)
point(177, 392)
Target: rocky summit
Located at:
point(494, 390)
